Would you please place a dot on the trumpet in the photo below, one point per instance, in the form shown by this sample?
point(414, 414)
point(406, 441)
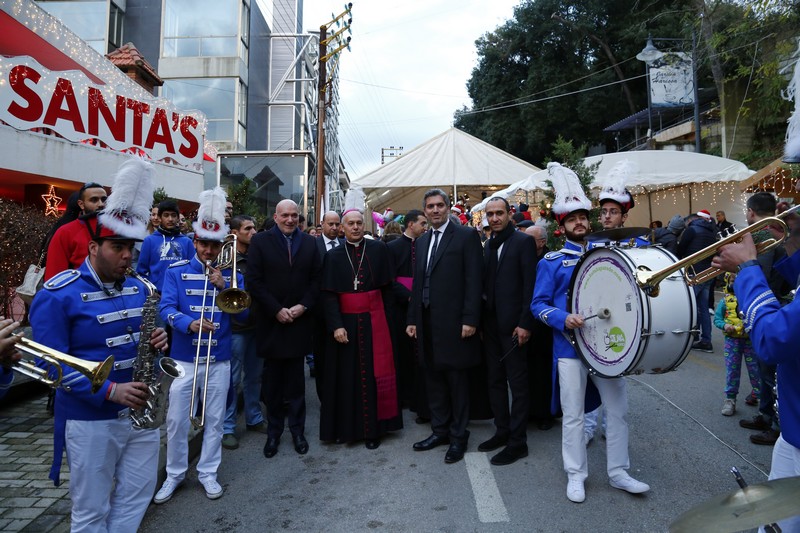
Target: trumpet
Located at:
point(96, 372)
point(232, 300)
point(649, 281)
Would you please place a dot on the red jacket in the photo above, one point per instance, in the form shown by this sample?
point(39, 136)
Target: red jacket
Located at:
point(68, 248)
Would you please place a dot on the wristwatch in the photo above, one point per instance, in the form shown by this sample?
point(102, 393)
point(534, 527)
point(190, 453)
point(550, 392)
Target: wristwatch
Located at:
point(752, 262)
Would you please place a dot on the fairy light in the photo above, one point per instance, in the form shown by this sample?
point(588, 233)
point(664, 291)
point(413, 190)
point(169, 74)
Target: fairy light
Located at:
point(51, 202)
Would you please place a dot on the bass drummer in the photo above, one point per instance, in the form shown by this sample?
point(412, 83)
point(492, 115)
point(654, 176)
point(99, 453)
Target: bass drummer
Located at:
point(571, 210)
point(615, 202)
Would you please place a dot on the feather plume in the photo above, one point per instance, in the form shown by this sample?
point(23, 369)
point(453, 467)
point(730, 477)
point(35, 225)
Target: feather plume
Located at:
point(569, 195)
point(354, 198)
point(210, 224)
point(614, 186)
point(792, 149)
point(127, 210)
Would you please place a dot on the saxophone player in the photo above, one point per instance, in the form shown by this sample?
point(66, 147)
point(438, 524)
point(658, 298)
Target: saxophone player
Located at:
point(90, 313)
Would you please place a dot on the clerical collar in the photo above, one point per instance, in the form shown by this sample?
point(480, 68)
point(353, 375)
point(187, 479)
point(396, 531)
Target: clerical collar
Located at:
point(355, 244)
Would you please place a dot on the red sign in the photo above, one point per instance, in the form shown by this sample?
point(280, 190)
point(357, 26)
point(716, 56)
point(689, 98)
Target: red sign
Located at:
point(32, 96)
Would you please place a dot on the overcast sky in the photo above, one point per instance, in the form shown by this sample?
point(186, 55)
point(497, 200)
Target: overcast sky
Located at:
point(407, 69)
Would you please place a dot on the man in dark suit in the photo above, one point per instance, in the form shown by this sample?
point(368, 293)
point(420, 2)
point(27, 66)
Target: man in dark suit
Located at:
point(330, 233)
point(509, 272)
point(443, 316)
point(283, 279)
point(326, 242)
point(410, 380)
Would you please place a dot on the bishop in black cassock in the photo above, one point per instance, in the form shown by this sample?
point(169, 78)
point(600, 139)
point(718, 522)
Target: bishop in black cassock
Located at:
point(359, 396)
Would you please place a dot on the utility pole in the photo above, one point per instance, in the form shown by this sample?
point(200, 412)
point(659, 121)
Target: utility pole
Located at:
point(322, 86)
point(390, 152)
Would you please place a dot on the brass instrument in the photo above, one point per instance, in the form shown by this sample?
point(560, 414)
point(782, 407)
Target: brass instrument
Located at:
point(96, 372)
point(649, 281)
point(232, 300)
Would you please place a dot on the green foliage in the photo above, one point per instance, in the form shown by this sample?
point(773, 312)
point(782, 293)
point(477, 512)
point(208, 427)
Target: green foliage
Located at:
point(241, 196)
point(159, 195)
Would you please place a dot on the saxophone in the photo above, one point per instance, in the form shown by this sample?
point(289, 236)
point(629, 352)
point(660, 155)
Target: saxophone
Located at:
point(155, 371)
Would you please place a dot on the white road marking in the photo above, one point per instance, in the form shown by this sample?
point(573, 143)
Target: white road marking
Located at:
point(484, 487)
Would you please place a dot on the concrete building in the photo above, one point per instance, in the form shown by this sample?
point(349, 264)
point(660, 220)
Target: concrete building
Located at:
point(248, 66)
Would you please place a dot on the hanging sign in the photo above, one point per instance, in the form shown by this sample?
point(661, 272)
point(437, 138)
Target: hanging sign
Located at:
point(671, 80)
point(31, 96)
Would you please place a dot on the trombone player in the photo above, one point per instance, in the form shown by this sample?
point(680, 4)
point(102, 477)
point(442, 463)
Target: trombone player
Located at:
point(90, 313)
point(192, 304)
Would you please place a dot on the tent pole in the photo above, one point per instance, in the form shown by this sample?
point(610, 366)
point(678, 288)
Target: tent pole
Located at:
point(649, 203)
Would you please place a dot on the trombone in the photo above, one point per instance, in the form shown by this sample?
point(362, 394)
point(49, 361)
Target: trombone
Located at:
point(232, 300)
point(96, 372)
point(649, 281)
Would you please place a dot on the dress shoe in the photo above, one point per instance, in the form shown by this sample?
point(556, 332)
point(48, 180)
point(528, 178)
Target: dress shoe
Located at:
point(628, 484)
point(767, 438)
point(510, 454)
point(422, 420)
point(271, 447)
point(544, 424)
point(430, 443)
point(372, 444)
point(455, 452)
point(492, 444)
point(300, 444)
point(757, 422)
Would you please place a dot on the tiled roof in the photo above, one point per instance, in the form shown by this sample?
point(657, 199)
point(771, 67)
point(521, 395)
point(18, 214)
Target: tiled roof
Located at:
point(127, 56)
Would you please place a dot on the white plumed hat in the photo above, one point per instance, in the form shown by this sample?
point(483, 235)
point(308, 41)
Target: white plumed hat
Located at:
point(791, 154)
point(127, 209)
point(614, 187)
point(210, 224)
point(568, 192)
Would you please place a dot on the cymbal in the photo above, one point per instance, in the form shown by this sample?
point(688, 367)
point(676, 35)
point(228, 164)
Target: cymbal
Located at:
point(617, 234)
point(750, 507)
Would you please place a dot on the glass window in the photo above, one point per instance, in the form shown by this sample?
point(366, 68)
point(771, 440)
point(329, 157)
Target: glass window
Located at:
point(276, 177)
point(86, 19)
point(216, 97)
point(115, 25)
point(210, 28)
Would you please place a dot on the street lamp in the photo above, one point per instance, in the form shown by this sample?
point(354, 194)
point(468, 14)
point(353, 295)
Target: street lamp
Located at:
point(651, 53)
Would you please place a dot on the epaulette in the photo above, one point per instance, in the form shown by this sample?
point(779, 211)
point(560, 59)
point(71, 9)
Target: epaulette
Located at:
point(553, 255)
point(179, 263)
point(62, 279)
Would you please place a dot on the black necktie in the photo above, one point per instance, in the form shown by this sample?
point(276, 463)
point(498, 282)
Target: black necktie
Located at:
point(332, 244)
point(289, 246)
point(427, 280)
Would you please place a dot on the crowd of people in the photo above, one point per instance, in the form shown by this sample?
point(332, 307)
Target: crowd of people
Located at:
point(432, 316)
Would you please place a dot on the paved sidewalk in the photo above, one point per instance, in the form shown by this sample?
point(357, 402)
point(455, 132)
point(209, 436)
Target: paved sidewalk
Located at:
point(28, 499)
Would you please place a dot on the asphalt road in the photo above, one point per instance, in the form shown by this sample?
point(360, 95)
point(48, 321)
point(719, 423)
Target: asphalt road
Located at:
point(680, 444)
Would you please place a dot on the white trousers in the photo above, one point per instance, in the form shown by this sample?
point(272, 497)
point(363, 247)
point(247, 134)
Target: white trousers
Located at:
point(785, 463)
point(113, 472)
point(572, 376)
point(180, 396)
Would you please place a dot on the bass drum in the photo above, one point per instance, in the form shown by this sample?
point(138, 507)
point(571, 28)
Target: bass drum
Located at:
point(631, 332)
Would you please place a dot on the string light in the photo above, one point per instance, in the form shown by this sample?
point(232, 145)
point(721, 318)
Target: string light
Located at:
point(51, 202)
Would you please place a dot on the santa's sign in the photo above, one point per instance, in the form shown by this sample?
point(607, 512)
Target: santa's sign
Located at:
point(32, 96)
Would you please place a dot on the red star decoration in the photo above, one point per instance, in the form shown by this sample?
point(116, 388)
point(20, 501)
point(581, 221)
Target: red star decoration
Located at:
point(51, 202)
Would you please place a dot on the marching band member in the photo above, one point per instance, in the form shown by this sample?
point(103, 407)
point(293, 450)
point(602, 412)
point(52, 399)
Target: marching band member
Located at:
point(570, 209)
point(189, 306)
point(90, 313)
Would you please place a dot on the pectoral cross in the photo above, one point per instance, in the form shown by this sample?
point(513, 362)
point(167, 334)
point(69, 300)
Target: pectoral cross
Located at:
point(355, 284)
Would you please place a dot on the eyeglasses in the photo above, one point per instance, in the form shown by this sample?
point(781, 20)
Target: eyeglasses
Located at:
point(612, 212)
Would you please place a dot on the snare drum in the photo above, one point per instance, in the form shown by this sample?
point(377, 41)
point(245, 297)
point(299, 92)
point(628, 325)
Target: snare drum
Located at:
point(632, 333)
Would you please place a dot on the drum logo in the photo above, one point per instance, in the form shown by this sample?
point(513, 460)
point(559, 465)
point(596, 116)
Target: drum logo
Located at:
point(614, 340)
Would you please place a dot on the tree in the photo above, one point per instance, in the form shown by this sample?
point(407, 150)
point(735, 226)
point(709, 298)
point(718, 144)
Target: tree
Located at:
point(241, 196)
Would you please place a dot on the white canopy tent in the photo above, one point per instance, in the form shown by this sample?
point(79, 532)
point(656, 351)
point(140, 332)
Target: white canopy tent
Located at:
point(667, 183)
point(454, 161)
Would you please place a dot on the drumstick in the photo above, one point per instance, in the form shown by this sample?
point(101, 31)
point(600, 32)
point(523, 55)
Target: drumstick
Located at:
point(768, 528)
point(603, 313)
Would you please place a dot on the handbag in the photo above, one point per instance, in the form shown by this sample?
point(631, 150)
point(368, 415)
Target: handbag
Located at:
point(34, 279)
